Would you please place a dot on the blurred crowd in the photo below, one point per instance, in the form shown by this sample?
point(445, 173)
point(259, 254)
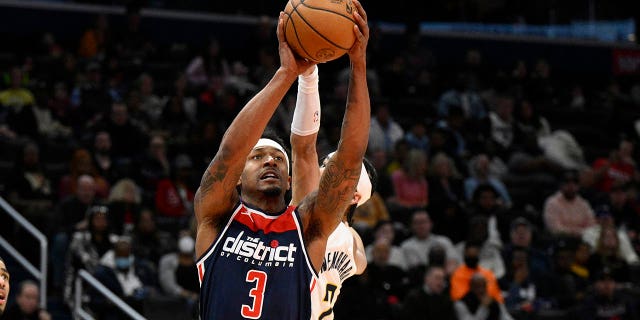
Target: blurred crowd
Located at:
point(502, 193)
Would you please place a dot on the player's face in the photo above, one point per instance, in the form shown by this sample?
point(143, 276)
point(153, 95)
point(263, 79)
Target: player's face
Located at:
point(266, 170)
point(4, 286)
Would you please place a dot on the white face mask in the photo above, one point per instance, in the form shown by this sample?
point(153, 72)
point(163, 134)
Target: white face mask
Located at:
point(186, 245)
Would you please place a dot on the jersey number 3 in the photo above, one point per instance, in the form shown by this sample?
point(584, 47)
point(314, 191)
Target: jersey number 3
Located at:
point(257, 293)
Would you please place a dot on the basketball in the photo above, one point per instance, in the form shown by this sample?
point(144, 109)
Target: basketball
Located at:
point(319, 30)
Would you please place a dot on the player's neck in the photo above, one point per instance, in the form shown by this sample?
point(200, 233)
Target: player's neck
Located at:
point(266, 203)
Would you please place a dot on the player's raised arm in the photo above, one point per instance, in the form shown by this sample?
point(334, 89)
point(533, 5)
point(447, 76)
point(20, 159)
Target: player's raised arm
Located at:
point(305, 173)
point(217, 193)
point(340, 177)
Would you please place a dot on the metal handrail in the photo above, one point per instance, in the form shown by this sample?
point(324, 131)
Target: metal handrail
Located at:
point(41, 274)
point(91, 280)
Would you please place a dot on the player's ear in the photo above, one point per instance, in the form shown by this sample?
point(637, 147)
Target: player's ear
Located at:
point(288, 182)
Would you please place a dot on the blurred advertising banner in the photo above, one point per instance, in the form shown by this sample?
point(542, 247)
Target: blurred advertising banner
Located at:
point(626, 61)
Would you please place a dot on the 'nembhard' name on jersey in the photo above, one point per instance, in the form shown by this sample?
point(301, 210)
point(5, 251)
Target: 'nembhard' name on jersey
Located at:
point(338, 261)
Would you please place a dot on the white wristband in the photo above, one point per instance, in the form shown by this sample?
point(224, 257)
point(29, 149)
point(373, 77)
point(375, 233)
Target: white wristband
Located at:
point(306, 116)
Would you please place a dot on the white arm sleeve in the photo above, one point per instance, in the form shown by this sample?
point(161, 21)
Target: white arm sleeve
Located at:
point(306, 116)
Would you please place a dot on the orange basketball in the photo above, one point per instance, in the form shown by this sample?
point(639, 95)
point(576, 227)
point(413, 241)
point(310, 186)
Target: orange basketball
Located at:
point(319, 30)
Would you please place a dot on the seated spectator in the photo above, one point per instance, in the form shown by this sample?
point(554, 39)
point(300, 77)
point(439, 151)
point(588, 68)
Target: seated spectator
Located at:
point(519, 284)
point(178, 276)
point(367, 216)
point(30, 190)
point(148, 242)
point(154, 165)
point(385, 230)
point(81, 162)
point(431, 301)
point(461, 277)
point(521, 237)
point(410, 187)
point(490, 256)
point(103, 160)
point(560, 289)
point(445, 183)
point(88, 247)
point(580, 268)
point(16, 96)
point(125, 205)
point(70, 216)
point(566, 213)
point(417, 137)
point(385, 131)
point(485, 204)
point(606, 301)
point(618, 238)
point(129, 278)
point(607, 254)
point(27, 306)
point(619, 167)
point(387, 283)
point(174, 195)
point(480, 174)
point(416, 249)
point(478, 304)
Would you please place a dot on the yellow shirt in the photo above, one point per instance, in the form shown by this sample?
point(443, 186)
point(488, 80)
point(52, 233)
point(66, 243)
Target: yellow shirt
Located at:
point(17, 98)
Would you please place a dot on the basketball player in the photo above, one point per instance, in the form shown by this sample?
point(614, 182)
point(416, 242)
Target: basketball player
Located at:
point(258, 256)
point(345, 253)
point(4, 286)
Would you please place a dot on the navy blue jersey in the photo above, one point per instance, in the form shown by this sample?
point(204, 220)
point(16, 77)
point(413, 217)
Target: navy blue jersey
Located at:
point(257, 268)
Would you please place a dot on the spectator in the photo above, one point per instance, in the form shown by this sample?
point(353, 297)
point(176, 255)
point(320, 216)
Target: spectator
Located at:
point(27, 304)
point(178, 276)
point(417, 136)
point(520, 286)
point(16, 96)
point(104, 162)
point(385, 131)
point(89, 98)
point(154, 165)
point(174, 196)
point(410, 187)
point(445, 183)
point(430, 301)
point(416, 249)
point(566, 213)
point(480, 173)
point(129, 278)
point(385, 230)
point(479, 304)
point(125, 205)
point(619, 167)
point(606, 301)
point(96, 41)
point(30, 189)
point(148, 242)
point(605, 220)
point(521, 238)
point(387, 283)
point(151, 103)
point(500, 126)
point(70, 217)
point(82, 163)
point(461, 277)
point(485, 203)
point(88, 247)
point(462, 95)
point(490, 256)
point(127, 138)
point(607, 254)
point(369, 214)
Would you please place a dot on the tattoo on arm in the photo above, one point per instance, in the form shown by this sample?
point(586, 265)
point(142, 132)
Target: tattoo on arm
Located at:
point(334, 176)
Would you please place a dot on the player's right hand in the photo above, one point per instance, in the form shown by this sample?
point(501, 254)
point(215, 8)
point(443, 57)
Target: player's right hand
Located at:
point(288, 60)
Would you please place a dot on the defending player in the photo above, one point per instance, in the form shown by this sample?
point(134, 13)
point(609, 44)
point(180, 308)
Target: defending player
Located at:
point(345, 253)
